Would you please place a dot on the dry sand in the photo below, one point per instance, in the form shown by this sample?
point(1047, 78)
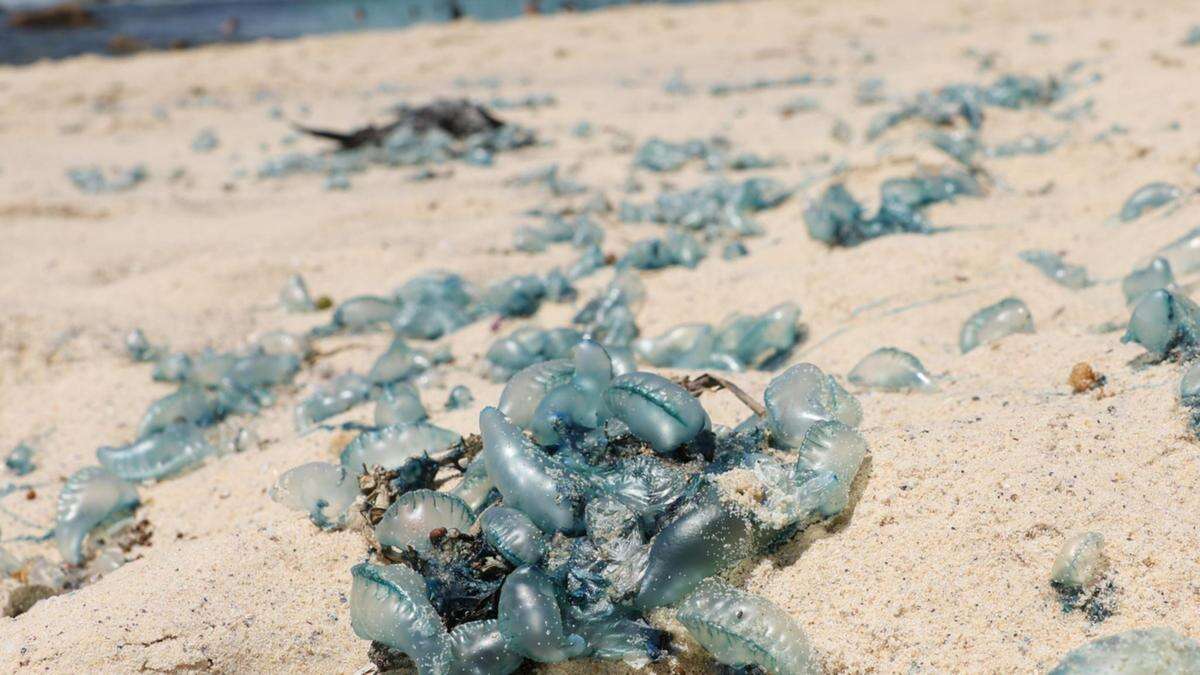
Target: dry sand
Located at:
point(943, 564)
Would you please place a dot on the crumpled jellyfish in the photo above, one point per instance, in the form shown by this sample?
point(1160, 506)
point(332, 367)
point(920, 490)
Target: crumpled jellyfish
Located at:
point(741, 630)
point(324, 491)
point(993, 322)
point(803, 395)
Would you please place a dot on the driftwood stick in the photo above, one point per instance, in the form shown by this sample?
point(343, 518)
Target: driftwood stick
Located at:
point(709, 382)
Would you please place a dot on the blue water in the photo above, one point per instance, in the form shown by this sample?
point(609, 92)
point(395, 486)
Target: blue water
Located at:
point(159, 24)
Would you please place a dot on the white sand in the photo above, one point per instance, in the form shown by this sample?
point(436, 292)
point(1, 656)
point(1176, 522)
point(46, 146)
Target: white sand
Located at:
point(942, 566)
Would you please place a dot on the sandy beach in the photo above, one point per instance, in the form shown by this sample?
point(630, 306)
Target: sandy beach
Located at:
point(942, 563)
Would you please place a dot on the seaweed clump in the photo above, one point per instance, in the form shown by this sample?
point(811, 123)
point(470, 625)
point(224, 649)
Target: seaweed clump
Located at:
point(437, 132)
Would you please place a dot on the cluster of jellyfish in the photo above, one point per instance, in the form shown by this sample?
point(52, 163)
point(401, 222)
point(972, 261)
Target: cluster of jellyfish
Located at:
point(596, 498)
point(600, 498)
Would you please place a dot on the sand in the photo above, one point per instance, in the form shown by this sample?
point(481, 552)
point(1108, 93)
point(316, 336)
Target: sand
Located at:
point(942, 564)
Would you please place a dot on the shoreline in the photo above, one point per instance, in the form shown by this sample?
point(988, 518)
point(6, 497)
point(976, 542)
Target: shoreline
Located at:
point(128, 28)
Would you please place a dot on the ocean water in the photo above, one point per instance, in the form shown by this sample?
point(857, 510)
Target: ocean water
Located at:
point(194, 22)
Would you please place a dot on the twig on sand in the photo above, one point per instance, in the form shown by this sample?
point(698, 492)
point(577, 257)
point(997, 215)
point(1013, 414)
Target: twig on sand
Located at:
point(709, 382)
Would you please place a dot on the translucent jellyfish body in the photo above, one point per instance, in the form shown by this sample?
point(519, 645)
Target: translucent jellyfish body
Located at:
point(400, 362)
point(1053, 266)
point(734, 250)
point(704, 539)
point(1164, 322)
point(620, 636)
point(608, 520)
point(559, 287)
point(410, 519)
point(480, 649)
point(891, 369)
point(391, 446)
point(172, 368)
point(677, 248)
point(1152, 650)
point(90, 496)
point(513, 534)
point(530, 480)
point(660, 155)
point(579, 404)
point(430, 321)
point(158, 455)
point(1189, 386)
point(93, 180)
point(786, 497)
point(399, 403)
point(1155, 275)
point(656, 410)
point(590, 261)
point(837, 219)
point(803, 395)
point(740, 342)
point(20, 460)
point(363, 313)
point(389, 604)
point(434, 288)
point(189, 405)
point(686, 346)
point(432, 305)
point(476, 487)
point(1080, 561)
point(742, 630)
point(525, 390)
point(759, 341)
point(516, 296)
point(210, 367)
point(1147, 198)
point(279, 343)
point(1184, 253)
point(459, 397)
point(609, 317)
point(1027, 144)
point(340, 395)
point(527, 346)
point(529, 240)
point(138, 346)
point(993, 322)
point(323, 491)
point(205, 141)
point(830, 449)
point(294, 295)
point(530, 619)
point(716, 208)
point(646, 486)
point(262, 371)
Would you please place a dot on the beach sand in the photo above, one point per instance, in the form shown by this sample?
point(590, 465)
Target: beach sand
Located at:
point(942, 564)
